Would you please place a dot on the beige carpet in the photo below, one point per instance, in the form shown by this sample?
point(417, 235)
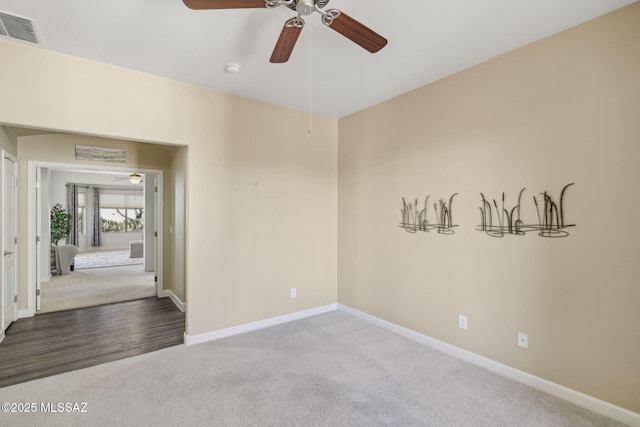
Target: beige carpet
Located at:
point(96, 286)
point(330, 370)
point(97, 259)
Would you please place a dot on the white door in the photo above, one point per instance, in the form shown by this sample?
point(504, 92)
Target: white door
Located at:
point(9, 241)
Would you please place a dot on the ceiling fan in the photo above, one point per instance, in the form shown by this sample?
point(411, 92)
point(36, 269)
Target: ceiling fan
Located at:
point(332, 18)
point(134, 178)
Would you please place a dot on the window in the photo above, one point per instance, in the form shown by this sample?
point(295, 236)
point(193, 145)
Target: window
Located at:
point(121, 211)
point(81, 210)
point(121, 220)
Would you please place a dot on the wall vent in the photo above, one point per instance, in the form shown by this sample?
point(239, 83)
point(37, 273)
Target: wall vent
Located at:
point(19, 28)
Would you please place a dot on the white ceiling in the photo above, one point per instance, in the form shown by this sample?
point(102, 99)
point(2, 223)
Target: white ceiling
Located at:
point(327, 73)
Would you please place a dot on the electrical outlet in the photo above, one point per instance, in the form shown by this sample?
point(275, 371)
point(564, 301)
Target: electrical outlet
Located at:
point(462, 321)
point(523, 340)
point(294, 293)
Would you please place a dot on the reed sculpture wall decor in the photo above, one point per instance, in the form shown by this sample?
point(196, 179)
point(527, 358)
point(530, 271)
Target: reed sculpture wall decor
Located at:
point(416, 218)
point(498, 219)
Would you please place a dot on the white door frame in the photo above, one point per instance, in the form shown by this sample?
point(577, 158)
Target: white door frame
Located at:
point(38, 259)
point(7, 318)
point(32, 265)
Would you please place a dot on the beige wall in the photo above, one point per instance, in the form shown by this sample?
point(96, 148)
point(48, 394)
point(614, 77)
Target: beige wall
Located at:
point(178, 226)
point(60, 148)
point(565, 109)
point(262, 205)
point(8, 141)
point(247, 244)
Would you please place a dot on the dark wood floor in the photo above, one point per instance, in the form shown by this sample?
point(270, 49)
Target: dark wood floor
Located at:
point(52, 343)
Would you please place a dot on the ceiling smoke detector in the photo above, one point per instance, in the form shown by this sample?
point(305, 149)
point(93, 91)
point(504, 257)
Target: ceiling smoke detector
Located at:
point(232, 68)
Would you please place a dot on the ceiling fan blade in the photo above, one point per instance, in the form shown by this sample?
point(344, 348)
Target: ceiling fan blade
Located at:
point(224, 4)
point(355, 31)
point(287, 40)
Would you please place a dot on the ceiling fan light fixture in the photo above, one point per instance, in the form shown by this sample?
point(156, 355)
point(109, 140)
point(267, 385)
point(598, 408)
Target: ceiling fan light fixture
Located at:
point(135, 178)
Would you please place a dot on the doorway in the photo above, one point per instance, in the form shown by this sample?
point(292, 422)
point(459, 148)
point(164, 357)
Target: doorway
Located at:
point(123, 265)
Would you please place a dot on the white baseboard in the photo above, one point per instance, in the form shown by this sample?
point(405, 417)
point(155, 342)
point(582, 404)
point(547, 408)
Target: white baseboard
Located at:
point(260, 324)
point(24, 313)
point(557, 390)
point(169, 293)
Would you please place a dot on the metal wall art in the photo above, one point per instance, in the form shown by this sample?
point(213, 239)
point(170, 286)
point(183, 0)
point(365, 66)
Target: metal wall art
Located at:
point(416, 218)
point(498, 219)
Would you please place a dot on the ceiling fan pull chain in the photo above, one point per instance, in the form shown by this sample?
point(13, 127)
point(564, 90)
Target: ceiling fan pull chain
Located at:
point(310, 130)
point(329, 16)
